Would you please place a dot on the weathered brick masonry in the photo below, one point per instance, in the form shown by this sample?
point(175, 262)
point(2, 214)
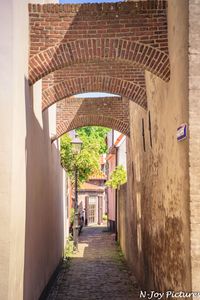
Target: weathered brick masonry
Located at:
point(98, 47)
point(142, 21)
point(194, 148)
point(105, 68)
point(108, 84)
point(110, 112)
point(156, 214)
point(132, 32)
point(116, 78)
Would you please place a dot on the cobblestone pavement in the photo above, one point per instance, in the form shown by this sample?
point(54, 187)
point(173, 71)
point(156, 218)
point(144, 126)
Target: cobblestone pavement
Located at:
point(96, 272)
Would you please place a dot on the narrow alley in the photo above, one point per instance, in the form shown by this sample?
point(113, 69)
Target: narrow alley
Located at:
point(99, 124)
point(96, 271)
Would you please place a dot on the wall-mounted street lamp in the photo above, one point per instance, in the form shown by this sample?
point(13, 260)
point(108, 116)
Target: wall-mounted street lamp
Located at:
point(76, 145)
point(76, 149)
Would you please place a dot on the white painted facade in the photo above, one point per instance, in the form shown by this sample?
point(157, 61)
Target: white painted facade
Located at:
point(112, 139)
point(121, 153)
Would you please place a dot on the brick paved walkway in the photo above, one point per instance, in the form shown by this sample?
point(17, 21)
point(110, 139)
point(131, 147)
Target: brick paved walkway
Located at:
point(96, 272)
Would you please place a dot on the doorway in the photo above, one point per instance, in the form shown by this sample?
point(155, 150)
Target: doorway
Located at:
point(92, 210)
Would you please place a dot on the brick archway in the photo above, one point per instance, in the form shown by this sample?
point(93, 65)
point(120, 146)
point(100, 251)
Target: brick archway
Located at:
point(104, 68)
point(92, 120)
point(111, 49)
point(112, 112)
point(133, 32)
point(108, 84)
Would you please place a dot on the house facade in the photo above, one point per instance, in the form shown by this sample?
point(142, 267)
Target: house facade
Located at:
point(92, 198)
point(116, 156)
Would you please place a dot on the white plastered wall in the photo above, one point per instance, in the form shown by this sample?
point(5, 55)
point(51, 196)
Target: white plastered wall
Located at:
point(31, 179)
point(13, 73)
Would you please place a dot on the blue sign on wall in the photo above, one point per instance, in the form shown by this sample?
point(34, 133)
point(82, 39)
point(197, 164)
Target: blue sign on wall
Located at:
point(181, 132)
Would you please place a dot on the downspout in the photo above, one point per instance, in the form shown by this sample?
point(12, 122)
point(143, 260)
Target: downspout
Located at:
point(116, 206)
point(107, 206)
point(112, 137)
point(106, 191)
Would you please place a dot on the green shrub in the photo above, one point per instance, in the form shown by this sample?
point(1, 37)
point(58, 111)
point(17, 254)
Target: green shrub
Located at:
point(105, 217)
point(117, 178)
point(72, 214)
point(69, 248)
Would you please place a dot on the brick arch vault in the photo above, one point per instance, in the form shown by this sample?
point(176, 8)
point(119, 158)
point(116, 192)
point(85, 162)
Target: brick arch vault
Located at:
point(63, 35)
point(86, 50)
point(111, 112)
point(108, 84)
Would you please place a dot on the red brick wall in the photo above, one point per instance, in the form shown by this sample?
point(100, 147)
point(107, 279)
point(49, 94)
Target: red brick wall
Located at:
point(107, 84)
point(114, 69)
point(133, 32)
point(144, 22)
point(77, 112)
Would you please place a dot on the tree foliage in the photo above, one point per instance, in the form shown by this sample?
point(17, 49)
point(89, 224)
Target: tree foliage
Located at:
point(86, 162)
point(117, 177)
point(97, 134)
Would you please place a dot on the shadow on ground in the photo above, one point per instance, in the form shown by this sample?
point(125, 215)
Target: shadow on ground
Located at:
point(96, 271)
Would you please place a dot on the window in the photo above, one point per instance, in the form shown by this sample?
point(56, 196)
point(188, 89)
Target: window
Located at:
point(143, 135)
point(92, 199)
point(150, 136)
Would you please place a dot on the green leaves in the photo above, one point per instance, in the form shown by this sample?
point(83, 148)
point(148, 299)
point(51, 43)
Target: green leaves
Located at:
point(66, 153)
point(86, 162)
point(94, 135)
point(117, 178)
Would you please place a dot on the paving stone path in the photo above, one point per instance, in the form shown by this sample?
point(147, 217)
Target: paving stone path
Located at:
point(96, 272)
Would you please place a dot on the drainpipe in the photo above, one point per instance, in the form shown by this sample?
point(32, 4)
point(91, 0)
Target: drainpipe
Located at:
point(106, 193)
point(116, 206)
point(113, 137)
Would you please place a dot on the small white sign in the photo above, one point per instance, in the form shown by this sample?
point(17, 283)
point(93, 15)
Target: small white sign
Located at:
point(181, 133)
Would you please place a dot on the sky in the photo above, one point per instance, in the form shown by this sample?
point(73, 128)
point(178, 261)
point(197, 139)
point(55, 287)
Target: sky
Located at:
point(95, 95)
point(87, 1)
